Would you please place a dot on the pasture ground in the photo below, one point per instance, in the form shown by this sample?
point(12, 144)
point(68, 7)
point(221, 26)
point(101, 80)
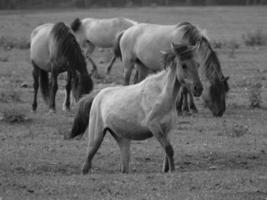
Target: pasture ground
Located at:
point(215, 158)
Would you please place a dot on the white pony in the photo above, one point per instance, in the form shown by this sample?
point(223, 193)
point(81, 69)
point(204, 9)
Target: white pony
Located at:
point(143, 110)
point(92, 32)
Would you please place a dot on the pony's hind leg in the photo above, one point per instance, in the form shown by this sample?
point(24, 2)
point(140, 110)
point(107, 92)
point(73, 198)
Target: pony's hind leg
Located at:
point(90, 49)
point(95, 138)
point(128, 67)
point(66, 104)
point(35, 74)
point(124, 145)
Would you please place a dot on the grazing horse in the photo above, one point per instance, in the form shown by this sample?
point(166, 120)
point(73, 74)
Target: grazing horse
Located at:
point(54, 49)
point(91, 33)
point(140, 46)
point(143, 110)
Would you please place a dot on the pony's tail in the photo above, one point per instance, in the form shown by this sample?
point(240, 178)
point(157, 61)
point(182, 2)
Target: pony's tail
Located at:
point(44, 83)
point(81, 119)
point(117, 49)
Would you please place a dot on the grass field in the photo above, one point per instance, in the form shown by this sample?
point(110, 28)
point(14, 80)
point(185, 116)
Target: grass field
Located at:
point(215, 158)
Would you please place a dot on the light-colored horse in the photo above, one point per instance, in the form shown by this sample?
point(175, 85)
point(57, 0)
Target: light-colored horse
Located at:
point(92, 32)
point(54, 50)
point(140, 46)
point(143, 110)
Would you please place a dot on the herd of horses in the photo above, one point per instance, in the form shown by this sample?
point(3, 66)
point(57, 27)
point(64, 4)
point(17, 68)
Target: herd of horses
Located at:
point(172, 63)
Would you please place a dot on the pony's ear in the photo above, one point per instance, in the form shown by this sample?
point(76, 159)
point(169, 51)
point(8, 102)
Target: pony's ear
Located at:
point(167, 58)
point(75, 25)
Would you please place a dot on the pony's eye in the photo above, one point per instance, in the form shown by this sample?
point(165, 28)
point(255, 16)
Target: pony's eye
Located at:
point(184, 66)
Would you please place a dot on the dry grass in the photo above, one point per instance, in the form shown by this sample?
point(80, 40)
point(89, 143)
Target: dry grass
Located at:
point(37, 163)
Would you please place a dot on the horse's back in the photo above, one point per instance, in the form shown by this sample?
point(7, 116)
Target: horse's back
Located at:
point(145, 41)
point(102, 32)
point(39, 51)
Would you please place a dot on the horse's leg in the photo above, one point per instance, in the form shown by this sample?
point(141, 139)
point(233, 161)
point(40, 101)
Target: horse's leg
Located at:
point(179, 101)
point(124, 145)
point(135, 80)
point(165, 165)
point(54, 88)
point(95, 137)
point(185, 106)
point(111, 64)
point(192, 103)
point(35, 74)
point(89, 51)
point(66, 104)
point(128, 67)
point(143, 71)
point(157, 131)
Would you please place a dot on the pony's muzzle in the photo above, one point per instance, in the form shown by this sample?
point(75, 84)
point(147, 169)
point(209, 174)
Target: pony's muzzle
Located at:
point(197, 90)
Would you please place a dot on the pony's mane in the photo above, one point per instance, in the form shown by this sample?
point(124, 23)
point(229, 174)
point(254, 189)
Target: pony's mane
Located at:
point(68, 47)
point(75, 25)
point(195, 36)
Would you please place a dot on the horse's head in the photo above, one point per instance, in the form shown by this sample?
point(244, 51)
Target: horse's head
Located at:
point(214, 96)
point(81, 84)
point(181, 57)
point(216, 85)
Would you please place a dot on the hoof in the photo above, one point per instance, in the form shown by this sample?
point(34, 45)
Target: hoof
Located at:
point(85, 171)
point(51, 112)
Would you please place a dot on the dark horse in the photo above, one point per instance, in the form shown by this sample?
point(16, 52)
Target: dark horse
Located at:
point(140, 46)
point(54, 49)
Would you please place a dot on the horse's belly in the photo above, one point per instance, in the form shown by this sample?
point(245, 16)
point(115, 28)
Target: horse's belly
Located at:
point(129, 130)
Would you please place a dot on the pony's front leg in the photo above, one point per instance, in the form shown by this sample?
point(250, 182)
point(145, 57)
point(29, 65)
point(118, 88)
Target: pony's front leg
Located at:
point(162, 137)
point(192, 103)
point(185, 106)
point(179, 101)
point(53, 91)
point(35, 74)
point(124, 145)
point(66, 104)
point(111, 64)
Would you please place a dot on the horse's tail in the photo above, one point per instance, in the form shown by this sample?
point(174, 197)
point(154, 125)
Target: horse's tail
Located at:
point(44, 83)
point(81, 119)
point(117, 49)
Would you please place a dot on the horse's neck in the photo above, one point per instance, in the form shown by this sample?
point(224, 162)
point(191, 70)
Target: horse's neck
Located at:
point(170, 88)
point(203, 53)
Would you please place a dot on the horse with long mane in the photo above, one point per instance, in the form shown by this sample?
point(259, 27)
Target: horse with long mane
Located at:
point(140, 111)
point(54, 50)
point(140, 46)
point(92, 32)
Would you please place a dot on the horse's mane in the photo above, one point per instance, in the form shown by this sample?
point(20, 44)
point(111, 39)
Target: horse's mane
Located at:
point(195, 36)
point(68, 47)
point(75, 25)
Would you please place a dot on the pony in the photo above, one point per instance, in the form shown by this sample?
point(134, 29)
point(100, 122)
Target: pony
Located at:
point(54, 50)
point(140, 46)
point(92, 32)
point(139, 111)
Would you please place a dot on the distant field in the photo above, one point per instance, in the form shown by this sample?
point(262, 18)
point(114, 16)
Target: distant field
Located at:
point(215, 158)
